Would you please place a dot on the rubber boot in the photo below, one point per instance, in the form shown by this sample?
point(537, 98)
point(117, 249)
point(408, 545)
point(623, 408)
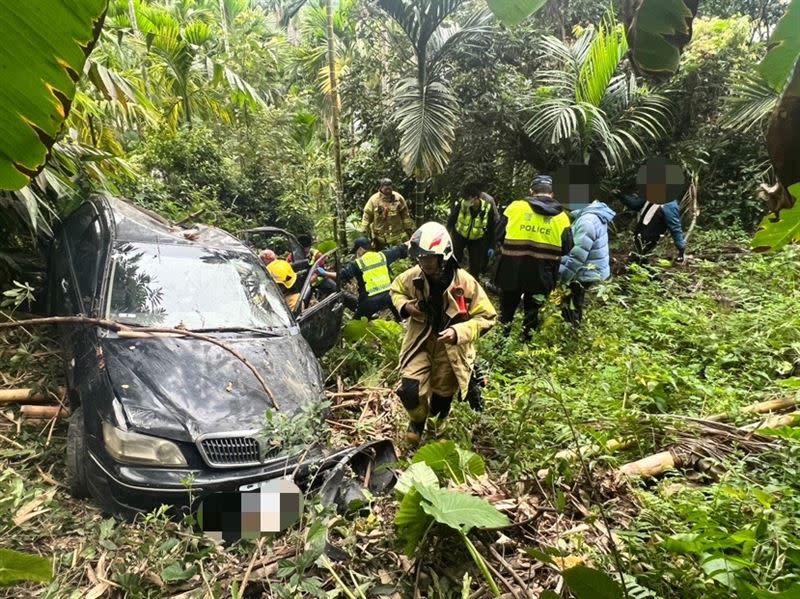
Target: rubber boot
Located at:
point(415, 431)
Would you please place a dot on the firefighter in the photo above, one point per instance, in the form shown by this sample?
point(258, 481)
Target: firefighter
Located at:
point(472, 223)
point(370, 269)
point(447, 311)
point(534, 234)
point(386, 219)
point(283, 274)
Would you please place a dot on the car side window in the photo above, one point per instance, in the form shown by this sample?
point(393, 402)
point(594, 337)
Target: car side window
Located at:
point(82, 232)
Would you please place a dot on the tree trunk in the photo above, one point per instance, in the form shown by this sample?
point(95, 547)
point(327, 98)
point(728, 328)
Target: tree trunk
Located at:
point(138, 34)
point(419, 201)
point(339, 230)
point(223, 20)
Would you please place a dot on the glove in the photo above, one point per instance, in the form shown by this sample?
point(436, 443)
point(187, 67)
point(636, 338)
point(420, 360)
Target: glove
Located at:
point(681, 256)
point(490, 254)
point(321, 271)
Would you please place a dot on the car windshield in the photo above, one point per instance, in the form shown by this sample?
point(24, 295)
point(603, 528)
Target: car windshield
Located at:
point(192, 287)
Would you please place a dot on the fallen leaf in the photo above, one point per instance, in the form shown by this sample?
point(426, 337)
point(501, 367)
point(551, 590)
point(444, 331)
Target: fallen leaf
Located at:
point(570, 561)
point(28, 511)
point(97, 591)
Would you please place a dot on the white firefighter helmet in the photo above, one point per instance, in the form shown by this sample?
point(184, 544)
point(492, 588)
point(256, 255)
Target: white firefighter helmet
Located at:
point(431, 239)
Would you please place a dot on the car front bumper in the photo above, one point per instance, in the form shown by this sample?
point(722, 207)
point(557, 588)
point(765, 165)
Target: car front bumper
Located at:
point(126, 489)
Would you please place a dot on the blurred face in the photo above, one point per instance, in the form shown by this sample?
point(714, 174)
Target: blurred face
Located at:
point(360, 252)
point(475, 201)
point(386, 190)
point(429, 265)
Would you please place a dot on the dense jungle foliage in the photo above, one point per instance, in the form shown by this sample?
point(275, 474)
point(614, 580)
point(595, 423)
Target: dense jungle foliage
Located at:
point(225, 112)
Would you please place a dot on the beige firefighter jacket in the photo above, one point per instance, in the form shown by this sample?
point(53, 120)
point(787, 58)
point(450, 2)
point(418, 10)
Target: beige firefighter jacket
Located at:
point(385, 220)
point(479, 317)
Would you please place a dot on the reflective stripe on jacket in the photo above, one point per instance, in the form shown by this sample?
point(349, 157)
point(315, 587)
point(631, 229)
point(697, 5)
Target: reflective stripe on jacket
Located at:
point(477, 316)
point(472, 227)
point(529, 233)
point(375, 272)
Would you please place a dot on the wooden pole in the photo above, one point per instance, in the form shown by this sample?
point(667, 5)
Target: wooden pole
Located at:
point(28, 395)
point(44, 412)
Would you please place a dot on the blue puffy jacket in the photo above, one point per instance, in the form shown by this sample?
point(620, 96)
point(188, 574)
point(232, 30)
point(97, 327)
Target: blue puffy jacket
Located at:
point(588, 262)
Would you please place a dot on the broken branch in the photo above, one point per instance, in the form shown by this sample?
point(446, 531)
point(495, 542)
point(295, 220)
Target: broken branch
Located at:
point(117, 327)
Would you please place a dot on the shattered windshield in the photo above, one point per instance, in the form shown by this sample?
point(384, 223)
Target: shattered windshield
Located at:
point(199, 288)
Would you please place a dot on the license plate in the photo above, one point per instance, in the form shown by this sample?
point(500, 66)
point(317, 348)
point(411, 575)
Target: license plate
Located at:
point(251, 511)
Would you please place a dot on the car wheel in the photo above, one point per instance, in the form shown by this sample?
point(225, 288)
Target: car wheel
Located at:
point(77, 455)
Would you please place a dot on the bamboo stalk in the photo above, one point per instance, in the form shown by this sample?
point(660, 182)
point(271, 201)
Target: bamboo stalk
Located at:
point(764, 407)
point(651, 465)
point(43, 412)
point(28, 395)
point(776, 421)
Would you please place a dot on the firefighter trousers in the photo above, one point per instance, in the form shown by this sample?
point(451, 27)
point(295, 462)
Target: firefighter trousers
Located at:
point(428, 383)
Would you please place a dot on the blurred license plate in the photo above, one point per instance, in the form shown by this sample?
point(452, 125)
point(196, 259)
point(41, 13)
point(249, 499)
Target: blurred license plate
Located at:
point(250, 512)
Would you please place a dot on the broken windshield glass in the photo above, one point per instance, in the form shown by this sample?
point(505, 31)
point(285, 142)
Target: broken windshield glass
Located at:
point(195, 287)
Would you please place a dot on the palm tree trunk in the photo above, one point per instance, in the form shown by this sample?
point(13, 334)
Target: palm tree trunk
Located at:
point(339, 231)
point(138, 34)
point(419, 200)
point(223, 19)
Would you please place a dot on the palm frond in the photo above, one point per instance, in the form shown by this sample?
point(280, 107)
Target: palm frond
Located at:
point(419, 19)
point(602, 60)
point(560, 53)
point(554, 120)
point(750, 104)
point(563, 81)
point(426, 117)
point(446, 38)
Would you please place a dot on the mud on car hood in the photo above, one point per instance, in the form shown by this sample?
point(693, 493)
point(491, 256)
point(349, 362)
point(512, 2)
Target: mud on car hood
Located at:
point(181, 388)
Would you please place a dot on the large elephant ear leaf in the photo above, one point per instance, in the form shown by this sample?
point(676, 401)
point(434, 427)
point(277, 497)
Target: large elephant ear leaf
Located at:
point(784, 49)
point(774, 233)
point(513, 12)
point(45, 45)
point(657, 32)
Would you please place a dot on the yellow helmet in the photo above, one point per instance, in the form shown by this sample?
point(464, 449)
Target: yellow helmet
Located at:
point(283, 273)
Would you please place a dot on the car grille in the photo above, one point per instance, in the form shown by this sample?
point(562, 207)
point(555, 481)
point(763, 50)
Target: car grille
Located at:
point(228, 452)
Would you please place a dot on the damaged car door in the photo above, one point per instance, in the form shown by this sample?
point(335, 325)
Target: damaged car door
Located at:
point(321, 321)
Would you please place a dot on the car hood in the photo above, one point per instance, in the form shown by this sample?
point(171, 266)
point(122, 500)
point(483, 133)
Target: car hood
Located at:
point(182, 388)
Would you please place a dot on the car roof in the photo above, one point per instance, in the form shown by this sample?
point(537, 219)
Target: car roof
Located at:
point(139, 225)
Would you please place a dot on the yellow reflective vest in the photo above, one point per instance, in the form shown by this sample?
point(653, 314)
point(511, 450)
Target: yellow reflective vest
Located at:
point(473, 227)
point(529, 233)
point(375, 272)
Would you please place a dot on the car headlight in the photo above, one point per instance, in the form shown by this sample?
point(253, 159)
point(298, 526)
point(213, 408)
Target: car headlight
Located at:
point(125, 446)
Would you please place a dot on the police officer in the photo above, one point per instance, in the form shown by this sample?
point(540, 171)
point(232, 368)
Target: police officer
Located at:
point(370, 269)
point(534, 233)
point(472, 223)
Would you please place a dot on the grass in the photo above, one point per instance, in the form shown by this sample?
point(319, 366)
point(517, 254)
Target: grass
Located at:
point(712, 336)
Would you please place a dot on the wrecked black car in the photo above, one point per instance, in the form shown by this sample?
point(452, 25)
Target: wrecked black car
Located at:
point(159, 418)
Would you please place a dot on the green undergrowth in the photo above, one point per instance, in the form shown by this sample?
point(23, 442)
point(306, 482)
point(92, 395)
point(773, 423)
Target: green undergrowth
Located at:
point(660, 343)
point(700, 339)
